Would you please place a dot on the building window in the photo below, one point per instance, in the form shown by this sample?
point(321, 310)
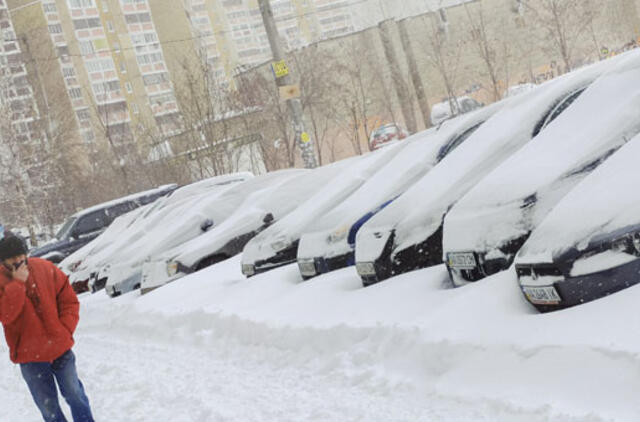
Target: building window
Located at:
point(68, 72)
point(110, 26)
point(80, 4)
point(55, 29)
point(128, 87)
point(75, 93)
point(83, 114)
point(49, 8)
point(86, 47)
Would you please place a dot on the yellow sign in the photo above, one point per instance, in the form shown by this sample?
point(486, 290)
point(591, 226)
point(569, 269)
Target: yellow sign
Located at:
point(304, 137)
point(280, 69)
point(289, 92)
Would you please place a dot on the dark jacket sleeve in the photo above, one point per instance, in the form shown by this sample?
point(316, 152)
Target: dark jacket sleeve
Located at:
point(12, 297)
point(68, 304)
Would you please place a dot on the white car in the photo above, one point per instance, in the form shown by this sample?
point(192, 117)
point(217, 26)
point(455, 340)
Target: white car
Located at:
point(185, 223)
point(588, 246)
point(259, 210)
point(486, 228)
point(407, 235)
point(278, 245)
point(128, 243)
point(329, 243)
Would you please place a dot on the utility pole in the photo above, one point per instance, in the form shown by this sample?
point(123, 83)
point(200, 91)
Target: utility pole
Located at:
point(396, 74)
point(284, 81)
point(423, 102)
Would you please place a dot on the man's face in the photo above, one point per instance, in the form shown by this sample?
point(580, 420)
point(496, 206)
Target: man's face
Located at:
point(14, 263)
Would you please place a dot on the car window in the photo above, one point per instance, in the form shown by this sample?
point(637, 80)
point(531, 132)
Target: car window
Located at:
point(119, 209)
point(456, 141)
point(90, 223)
point(62, 233)
point(556, 110)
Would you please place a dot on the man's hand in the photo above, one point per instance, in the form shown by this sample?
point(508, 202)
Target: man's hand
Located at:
point(21, 273)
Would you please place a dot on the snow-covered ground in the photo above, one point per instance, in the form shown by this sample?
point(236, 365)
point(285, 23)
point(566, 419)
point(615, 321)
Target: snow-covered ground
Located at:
point(215, 346)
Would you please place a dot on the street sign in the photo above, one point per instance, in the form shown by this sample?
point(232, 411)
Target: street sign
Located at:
point(280, 69)
point(304, 137)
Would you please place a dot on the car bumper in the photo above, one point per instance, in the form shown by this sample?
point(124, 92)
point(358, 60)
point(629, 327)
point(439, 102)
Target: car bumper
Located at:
point(585, 288)
point(123, 285)
point(463, 276)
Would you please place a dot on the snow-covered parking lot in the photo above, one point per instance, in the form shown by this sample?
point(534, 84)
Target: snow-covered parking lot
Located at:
point(215, 346)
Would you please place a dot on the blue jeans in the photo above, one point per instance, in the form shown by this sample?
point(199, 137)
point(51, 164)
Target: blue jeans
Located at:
point(40, 379)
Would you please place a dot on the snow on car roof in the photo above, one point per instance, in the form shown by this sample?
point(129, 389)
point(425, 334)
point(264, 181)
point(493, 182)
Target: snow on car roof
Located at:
point(183, 223)
point(120, 200)
point(603, 202)
point(165, 216)
point(278, 199)
point(601, 120)
point(114, 229)
point(419, 211)
point(419, 155)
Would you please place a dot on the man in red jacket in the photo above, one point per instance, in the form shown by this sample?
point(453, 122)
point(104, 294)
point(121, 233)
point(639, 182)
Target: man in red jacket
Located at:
point(39, 313)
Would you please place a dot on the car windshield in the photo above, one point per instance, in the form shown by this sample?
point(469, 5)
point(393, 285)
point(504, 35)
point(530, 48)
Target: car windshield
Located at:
point(62, 233)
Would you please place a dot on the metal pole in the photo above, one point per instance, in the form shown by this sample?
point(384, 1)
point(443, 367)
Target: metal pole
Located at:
point(302, 138)
point(418, 86)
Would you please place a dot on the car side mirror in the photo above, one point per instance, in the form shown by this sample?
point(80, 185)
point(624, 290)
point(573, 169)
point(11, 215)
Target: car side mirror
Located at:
point(268, 219)
point(206, 224)
point(74, 235)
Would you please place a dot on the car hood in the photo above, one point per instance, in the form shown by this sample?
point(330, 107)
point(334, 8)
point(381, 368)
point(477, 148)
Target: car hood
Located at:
point(606, 202)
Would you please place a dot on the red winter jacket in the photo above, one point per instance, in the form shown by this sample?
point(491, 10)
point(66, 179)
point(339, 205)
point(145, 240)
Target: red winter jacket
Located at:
point(40, 315)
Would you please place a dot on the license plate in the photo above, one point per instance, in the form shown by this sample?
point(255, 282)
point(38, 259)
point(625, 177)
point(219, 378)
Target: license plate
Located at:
point(547, 295)
point(307, 268)
point(365, 268)
point(462, 260)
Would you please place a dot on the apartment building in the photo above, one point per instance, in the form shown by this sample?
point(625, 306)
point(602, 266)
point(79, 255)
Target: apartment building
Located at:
point(113, 67)
point(19, 108)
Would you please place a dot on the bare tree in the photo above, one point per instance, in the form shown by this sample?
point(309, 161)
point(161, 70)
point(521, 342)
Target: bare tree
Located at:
point(486, 46)
point(443, 53)
point(565, 23)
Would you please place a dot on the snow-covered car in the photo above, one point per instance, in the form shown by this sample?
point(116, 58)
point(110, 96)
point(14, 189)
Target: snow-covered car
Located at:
point(407, 235)
point(278, 245)
point(189, 206)
point(487, 227)
point(449, 108)
point(84, 226)
point(385, 134)
point(72, 265)
point(326, 246)
point(184, 224)
point(588, 246)
point(258, 211)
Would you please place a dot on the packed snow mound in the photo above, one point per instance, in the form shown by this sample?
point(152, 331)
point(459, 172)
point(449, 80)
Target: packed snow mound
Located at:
point(465, 347)
point(605, 201)
point(602, 119)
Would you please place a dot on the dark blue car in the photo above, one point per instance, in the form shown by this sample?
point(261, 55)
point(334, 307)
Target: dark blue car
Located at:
point(84, 226)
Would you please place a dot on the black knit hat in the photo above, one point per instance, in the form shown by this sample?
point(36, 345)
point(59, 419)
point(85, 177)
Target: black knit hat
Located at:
point(11, 246)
